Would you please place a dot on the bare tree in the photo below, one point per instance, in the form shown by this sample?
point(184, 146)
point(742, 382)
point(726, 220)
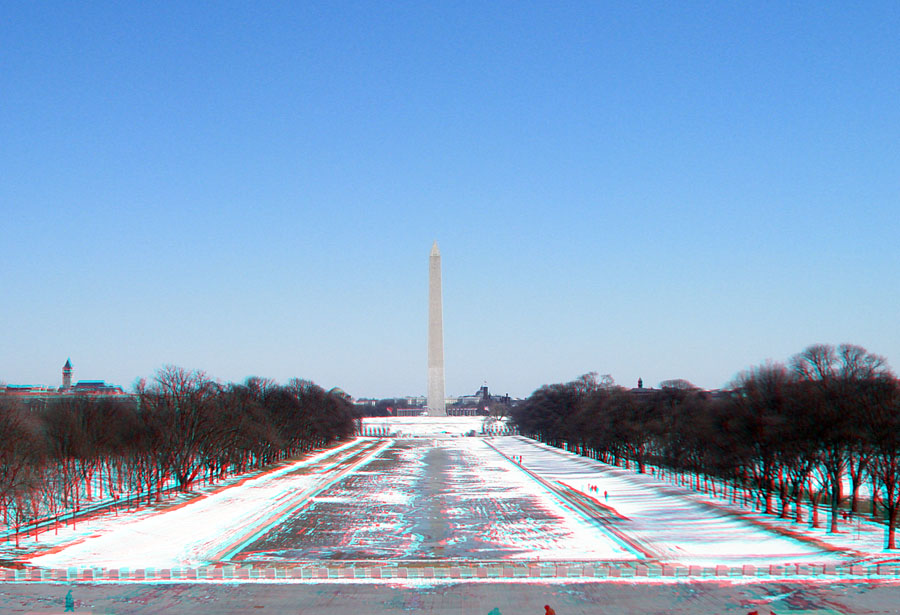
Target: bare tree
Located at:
point(21, 459)
point(679, 384)
point(182, 404)
point(760, 401)
point(837, 374)
point(883, 414)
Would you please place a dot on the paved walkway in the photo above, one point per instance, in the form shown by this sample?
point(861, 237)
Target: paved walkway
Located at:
point(698, 598)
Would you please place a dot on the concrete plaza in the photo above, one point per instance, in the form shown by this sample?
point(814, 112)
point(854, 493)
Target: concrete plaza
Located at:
point(473, 598)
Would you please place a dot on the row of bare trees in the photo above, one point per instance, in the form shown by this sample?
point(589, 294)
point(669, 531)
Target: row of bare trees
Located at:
point(179, 428)
point(800, 432)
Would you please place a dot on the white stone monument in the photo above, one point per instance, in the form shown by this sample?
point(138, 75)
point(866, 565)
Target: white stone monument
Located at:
point(435, 336)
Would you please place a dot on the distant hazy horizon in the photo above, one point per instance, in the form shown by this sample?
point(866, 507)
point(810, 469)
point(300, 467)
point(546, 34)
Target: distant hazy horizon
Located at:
point(649, 190)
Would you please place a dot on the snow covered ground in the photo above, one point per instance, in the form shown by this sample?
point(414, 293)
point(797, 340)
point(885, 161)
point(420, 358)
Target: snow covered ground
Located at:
point(435, 496)
point(417, 426)
point(203, 528)
point(668, 521)
point(861, 539)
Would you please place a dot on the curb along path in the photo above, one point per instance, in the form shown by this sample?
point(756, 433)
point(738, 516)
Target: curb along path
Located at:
point(243, 520)
point(594, 511)
point(297, 502)
point(722, 508)
point(451, 571)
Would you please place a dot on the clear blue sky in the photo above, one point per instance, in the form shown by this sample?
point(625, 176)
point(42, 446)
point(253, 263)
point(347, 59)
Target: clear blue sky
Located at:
point(664, 190)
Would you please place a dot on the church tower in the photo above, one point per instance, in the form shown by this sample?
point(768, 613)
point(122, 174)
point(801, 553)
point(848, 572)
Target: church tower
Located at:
point(67, 375)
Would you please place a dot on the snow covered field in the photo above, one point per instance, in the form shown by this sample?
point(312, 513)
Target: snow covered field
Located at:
point(434, 496)
point(424, 426)
point(204, 528)
point(668, 521)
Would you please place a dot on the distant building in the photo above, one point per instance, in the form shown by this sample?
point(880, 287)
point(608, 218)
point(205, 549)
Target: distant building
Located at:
point(28, 390)
point(97, 388)
point(643, 392)
point(67, 375)
point(640, 390)
point(478, 404)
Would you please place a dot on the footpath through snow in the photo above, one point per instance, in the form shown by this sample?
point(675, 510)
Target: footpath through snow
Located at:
point(203, 528)
point(672, 522)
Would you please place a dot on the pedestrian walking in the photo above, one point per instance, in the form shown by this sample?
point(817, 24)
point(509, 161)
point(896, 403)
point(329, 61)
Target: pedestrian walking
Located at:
point(495, 611)
point(606, 496)
point(70, 603)
point(548, 610)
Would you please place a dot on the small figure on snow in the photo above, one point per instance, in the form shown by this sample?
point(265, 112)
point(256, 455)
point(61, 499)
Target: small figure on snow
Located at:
point(606, 496)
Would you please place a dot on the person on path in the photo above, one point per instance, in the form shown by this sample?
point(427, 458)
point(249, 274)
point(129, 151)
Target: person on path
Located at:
point(70, 603)
point(495, 611)
point(606, 496)
point(548, 610)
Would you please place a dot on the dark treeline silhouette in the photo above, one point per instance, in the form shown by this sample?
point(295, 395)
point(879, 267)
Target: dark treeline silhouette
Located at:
point(179, 428)
point(794, 433)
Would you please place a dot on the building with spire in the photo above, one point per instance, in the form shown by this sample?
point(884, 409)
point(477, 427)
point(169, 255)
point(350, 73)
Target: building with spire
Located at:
point(67, 375)
point(38, 393)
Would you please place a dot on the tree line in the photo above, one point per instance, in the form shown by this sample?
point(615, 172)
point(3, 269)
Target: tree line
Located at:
point(794, 433)
point(179, 428)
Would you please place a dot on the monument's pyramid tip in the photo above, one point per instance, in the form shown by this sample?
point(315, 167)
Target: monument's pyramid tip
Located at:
point(434, 249)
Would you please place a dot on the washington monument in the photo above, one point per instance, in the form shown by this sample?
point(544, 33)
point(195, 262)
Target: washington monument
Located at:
point(435, 336)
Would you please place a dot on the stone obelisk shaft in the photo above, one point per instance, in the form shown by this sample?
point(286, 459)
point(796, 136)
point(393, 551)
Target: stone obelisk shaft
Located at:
point(435, 336)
